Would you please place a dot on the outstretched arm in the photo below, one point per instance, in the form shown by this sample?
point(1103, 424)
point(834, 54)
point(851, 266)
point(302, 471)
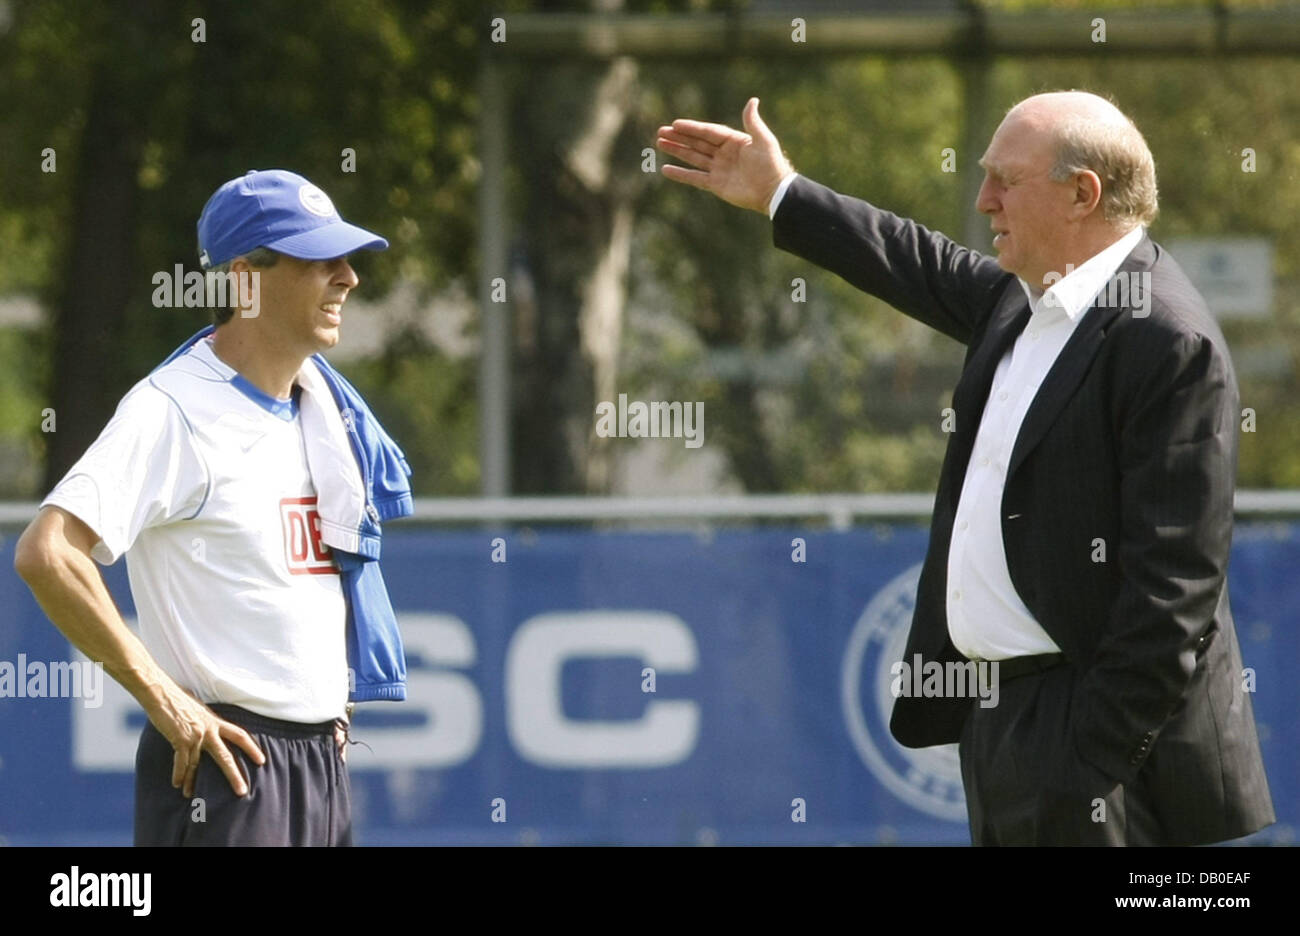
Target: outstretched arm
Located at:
point(919, 272)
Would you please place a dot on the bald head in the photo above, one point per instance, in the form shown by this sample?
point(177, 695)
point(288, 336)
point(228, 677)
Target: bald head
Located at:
point(1055, 107)
point(1090, 134)
point(1067, 174)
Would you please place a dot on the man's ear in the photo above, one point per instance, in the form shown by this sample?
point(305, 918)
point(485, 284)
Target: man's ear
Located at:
point(245, 279)
point(1087, 193)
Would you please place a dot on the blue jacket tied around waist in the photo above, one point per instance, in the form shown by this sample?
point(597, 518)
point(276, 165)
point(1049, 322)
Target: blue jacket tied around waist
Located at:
point(375, 656)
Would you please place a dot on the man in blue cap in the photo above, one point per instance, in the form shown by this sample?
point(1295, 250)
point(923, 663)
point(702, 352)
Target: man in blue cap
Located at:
point(205, 475)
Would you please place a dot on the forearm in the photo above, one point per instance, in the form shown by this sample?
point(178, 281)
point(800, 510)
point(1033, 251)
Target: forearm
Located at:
point(72, 594)
point(922, 273)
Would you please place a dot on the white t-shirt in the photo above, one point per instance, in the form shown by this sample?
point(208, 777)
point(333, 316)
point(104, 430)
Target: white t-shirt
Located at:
point(202, 481)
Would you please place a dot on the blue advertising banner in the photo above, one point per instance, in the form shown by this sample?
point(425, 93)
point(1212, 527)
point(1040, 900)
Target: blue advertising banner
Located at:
point(579, 686)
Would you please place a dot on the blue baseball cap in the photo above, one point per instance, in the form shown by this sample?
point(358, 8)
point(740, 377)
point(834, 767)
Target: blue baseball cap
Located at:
point(281, 210)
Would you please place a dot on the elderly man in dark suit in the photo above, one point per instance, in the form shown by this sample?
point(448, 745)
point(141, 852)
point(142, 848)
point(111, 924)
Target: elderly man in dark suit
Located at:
point(1084, 513)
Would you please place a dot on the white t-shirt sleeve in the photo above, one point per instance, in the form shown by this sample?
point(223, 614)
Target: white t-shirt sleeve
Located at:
point(142, 471)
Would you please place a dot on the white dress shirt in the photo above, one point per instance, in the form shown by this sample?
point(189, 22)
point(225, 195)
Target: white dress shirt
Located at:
point(986, 618)
point(780, 193)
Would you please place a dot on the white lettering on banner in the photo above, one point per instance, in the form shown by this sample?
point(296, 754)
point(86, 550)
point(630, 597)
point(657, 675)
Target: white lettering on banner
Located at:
point(448, 735)
point(540, 731)
point(451, 731)
point(453, 709)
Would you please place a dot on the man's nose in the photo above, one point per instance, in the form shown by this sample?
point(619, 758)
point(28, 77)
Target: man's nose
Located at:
point(985, 203)
point(346, 276)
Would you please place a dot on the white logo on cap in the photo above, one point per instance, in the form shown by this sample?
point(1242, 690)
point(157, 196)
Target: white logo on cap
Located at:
point(316, 201)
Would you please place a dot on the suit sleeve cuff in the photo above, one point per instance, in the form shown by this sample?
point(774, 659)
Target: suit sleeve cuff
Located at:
point(780, 194)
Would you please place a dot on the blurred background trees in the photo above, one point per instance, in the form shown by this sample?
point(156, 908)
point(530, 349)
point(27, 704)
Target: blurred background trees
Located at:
point(619, 281)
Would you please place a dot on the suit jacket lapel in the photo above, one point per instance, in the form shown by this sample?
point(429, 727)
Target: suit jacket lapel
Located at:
point(1076, 357)
point(1006, 322)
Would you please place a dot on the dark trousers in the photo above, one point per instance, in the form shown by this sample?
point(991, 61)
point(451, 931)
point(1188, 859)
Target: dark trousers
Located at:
point(300, 796)
point(1026, 784)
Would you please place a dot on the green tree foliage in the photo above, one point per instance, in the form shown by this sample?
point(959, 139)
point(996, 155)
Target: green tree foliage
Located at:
point(843, 393)
point(838, 392)
point(147, 122)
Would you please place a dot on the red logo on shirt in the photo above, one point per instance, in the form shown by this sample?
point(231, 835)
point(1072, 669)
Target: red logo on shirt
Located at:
point(304, 552)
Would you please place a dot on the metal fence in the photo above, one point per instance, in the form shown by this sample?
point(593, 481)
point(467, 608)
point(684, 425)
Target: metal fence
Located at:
point(838, 511)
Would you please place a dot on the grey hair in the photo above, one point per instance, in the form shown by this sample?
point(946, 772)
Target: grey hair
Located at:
point(1120, 157)
point(260, 257)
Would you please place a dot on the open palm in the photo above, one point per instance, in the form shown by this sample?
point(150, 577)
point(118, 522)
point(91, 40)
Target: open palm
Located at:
point(743, 168)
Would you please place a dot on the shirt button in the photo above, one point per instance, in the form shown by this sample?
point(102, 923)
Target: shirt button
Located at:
point(1002, 395)
point(963, 525)
point(984, 462)
point(956, 594)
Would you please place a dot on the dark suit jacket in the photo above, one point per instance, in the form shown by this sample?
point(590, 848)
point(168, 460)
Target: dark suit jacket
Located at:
point(1132, 438)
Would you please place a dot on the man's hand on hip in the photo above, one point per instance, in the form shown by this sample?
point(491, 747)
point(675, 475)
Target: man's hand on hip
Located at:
point(192, 728)
point(743, 169)
point(53, 556)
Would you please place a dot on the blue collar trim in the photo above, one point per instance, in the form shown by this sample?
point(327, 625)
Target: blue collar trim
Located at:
point(282, 409)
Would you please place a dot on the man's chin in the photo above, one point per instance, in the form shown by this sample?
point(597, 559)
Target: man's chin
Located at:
point(1009, 264)
point(327, 338)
